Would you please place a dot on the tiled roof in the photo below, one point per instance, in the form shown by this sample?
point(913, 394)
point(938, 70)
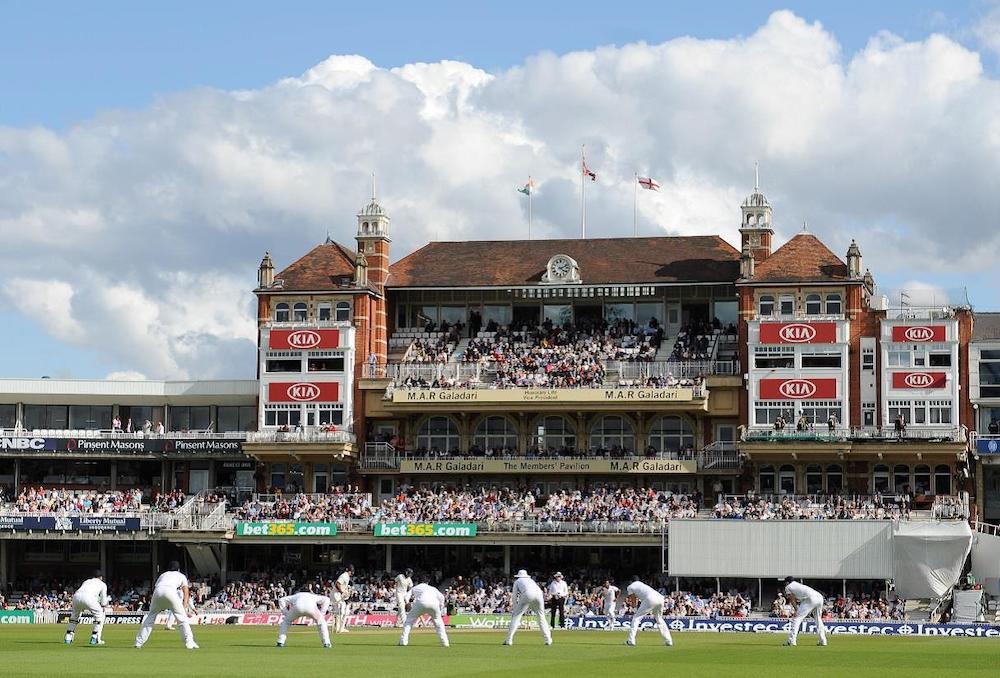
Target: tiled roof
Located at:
point(986, 327)
point(804, 258)
point(601, 261)
point(320, 269)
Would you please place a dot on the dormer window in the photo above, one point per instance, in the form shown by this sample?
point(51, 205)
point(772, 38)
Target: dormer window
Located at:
point(814, 304)
point(300, 313)
point(766, 305)
point(281, 313)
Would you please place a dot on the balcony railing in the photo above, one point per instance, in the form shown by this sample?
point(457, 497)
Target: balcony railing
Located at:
point(843, 434)
point(108, 434)
point(306, 324)
point(718, 456)
point(304, 436)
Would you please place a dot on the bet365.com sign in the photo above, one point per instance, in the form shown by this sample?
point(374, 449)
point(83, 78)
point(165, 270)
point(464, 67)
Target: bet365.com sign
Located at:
point(425, 529)
point(283, 528)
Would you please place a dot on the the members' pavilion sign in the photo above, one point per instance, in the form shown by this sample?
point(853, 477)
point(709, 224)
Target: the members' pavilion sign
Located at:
point(542, 395)
point(636, 466)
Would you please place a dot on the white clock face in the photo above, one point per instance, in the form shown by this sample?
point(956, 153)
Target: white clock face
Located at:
point(561, 267)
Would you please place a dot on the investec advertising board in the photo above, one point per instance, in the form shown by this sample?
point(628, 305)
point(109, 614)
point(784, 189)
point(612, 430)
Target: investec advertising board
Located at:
point(834, 627)
point(636, 466)
point(541, 395)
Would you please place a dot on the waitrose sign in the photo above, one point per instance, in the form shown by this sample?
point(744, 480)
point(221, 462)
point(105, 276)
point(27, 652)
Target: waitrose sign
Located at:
point(425, 529)
point(277, 528)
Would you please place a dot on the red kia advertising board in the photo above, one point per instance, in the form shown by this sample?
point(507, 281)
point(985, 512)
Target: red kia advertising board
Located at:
point(919, 379)
point(304, 340)
point(914, 334)
point(303, 392)
point(798, 333)
point(798, 389)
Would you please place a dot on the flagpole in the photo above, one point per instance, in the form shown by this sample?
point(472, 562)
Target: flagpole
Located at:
point(583, 195)
point(531, 189)
point(635, 206)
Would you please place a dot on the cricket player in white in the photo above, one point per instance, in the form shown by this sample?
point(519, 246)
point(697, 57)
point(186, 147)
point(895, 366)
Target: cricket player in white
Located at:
point(404, 582)
point(527, 596)
point(91, 597)
point(304, 604)
point(341, 594)
point(425, 599)
point(649, 602)
point(172, 591)
point(810, 601)
point(610, 603)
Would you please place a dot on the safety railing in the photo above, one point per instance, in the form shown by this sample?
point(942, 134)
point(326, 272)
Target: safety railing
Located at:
point(114, 434)
point(822, 432)
point(307, 435)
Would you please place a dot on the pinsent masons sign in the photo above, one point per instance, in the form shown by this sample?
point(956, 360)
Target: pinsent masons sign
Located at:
point(919, 379)
point(629, 465)
point(303, 340)
point(915, 334)
point(798, 333)
point(303, 392)
point(798, 389)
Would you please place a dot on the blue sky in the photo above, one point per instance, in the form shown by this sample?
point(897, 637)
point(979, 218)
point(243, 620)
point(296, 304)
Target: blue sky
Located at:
point(68, 67)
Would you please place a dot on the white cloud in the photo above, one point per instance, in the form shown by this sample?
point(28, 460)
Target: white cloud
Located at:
point(137, 233)
point(126, 375)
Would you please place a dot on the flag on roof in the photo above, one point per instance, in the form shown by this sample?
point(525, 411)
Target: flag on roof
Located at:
point(587, 171)
point(649, 183)
point(527, 188)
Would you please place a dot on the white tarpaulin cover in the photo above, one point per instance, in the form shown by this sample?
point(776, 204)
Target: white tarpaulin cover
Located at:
point(966, 607)
point(929, 557)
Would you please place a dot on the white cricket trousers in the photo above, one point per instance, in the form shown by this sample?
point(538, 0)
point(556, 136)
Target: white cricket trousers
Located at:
point(165, 599)
point(653, 608)
point(315, 613)
point(806, 608)
point(87, 604)
point(401, 600)
point(609, 612)
point(417, 610)
point(534, 604)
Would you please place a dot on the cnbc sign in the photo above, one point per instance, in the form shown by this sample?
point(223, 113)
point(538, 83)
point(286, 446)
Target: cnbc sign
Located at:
point(278, 528)
point(425, 530)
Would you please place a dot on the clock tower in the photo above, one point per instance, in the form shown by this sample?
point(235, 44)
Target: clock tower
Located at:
point(372, 270)
point(755, 226)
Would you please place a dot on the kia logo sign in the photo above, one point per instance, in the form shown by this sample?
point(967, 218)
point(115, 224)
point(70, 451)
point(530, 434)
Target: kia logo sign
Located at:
point(918, 379)
point(797, 389)
point(797, 333)
point(304, 339)
point(303, 392)
point(918, 333)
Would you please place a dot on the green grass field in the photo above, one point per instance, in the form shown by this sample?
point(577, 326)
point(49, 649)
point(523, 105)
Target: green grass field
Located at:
point(250, 651)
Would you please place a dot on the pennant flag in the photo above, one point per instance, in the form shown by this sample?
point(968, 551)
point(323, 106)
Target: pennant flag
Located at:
point(587, 172)
point(649, 183)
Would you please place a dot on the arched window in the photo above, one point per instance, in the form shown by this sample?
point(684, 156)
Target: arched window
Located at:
point(299, 312)
point(324, 311)
point(786, 479)
point(921, 479)
point(343, 311)
point(834, 304)
point(556, 435)
point(814, 479)
point(834, 478)
point(901, 478)
point(880, 478)
point(281, 313)
point(438, 433)
point(495, 433)
point(766, 305)
point(814, 304)
point(671, 434)
point(942, 479)
point(612, 432)
point(766, 479)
